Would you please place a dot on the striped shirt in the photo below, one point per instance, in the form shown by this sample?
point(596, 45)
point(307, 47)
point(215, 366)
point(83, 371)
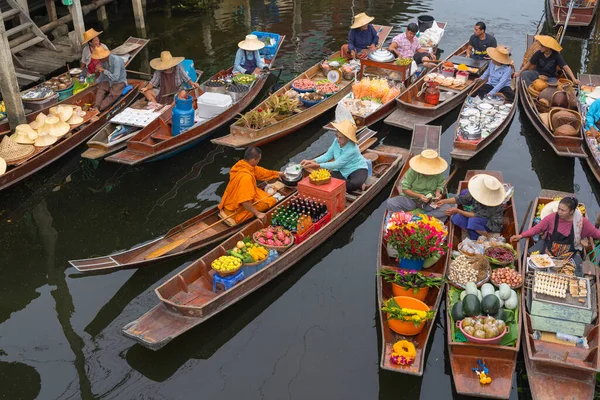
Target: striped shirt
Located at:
point(181, 77)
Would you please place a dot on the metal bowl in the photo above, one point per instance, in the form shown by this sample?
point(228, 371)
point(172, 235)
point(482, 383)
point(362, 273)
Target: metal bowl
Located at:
point(290, 177)
point(381, 55)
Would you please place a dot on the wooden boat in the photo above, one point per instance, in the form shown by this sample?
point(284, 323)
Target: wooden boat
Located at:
point(410, 106)
point(464, 149)
point(563, 146)
point(582, 14)
point(129, 49)
point(187, 299)
point(592, 160)
point(241, 136)
point(42, 157)
point(155, 141)
point(196, 230)
point(556, 371)
point(500, 360)
point(424, 137)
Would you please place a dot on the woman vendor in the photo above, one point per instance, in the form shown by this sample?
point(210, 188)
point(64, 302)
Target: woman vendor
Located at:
point(545, 62)
point(498, 74)
point(485, 195)
point(562, 228)
point(362, 38)
point(348, 163)
point(422, 184)
point(168, 78)
point(247, 58)
point(91, 40)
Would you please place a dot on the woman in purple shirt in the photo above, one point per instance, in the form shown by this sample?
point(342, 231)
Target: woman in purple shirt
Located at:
point(362, 38)
point(498, 74)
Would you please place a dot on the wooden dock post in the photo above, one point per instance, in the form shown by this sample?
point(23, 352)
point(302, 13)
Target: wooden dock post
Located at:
point(51, 9)
point(102, 17)
point(78, 24)
point(9, 86)
point(138, 13)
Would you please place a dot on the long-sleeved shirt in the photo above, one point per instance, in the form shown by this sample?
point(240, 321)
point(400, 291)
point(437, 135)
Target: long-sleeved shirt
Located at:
point(547, 226)
point(180, 77)
point(86, 53)
point(114, 71)
point(240, 59)
point(498, 76)
point(422, 184)
point(358, 40)
point(493, 214)
point(347, 159)
point(592, 115)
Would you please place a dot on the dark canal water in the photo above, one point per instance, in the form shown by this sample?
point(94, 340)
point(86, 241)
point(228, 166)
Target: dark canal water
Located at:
point(309, 334)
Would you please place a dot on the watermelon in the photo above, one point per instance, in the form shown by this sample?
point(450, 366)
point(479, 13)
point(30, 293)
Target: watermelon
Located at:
point(490, 304)
point(471, 305)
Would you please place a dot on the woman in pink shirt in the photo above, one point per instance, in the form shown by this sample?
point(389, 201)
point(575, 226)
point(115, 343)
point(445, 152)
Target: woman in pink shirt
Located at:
point(562, 232)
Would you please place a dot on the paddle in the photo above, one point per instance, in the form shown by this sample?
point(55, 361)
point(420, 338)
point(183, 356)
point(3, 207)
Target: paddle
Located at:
point(173, 245)
point(526, 216)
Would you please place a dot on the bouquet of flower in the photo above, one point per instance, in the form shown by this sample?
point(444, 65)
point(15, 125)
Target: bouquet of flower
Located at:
point(411, 279)
point(418, 236)
point(394, 311)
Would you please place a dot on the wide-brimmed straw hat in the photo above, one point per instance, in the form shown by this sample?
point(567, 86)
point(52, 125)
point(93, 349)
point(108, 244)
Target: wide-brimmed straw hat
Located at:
point(2, 166)
point(90, 34)
point(24, 134)
point(487, 190)
point(45, 139)
point(428, 162)
point(64, 112)
point(39, 121)
point(548, 41)
point(346, 128)
point(54, 127)
point(100, 53)
point(165, 61)
point(500, 54)
point(251, 43)
point(361, 20)
point(549, 208)
point(12, 151)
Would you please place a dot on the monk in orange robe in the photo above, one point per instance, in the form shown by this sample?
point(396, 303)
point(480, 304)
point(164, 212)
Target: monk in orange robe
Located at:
point(242, 192)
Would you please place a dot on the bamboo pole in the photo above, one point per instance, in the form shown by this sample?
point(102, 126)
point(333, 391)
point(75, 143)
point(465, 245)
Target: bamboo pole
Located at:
point(9, 86)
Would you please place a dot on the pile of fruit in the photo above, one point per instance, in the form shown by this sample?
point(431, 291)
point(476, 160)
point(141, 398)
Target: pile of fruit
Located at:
point(226, 264)
point(303, 84)
point(374, 89)
point(244, 79)
point(327, 88)
point(319, 175)
point(248, 252)
point(273, 236)
point(500, 255)
point(483, 327)
point(507, 275)
point(403, 61)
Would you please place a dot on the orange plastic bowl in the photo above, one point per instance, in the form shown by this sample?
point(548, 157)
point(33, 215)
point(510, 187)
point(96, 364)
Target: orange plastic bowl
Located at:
point(421, 294)
point(408, 328)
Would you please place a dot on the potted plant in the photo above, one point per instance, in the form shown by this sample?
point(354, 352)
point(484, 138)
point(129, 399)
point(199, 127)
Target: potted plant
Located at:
point(410, 283)
point(406, 315)
point(415, 240)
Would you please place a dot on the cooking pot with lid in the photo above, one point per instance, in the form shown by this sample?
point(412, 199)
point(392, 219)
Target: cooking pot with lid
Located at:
point(381, 55)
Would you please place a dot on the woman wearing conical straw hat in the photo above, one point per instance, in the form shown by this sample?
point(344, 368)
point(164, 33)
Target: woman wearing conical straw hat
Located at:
point(91, 40)
point(546, 61)
point(362, 38)
point(168, 78)
point(422, 184)
point(247, 58)
point(497, 76)
point(486, 196)
point(348, 163)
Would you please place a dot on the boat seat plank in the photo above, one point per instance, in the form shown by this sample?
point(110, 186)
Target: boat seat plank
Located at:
point(406, 120)
point(468, 382)
point(160, 135)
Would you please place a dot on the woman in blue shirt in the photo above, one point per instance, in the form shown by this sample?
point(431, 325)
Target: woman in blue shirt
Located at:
point(498, 74)
point(247, 58)
point(362, 38)
point(348, 163)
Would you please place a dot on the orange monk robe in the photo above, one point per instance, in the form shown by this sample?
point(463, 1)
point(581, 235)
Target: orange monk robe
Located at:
point(242, 187)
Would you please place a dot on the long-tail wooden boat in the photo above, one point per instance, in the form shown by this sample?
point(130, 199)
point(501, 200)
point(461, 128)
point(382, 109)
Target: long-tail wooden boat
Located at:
point(42, 157)
point(241, 136)
point(410, 106)
point(562, 145)
point(556, 371)
point(467, 149)
point(195, 230)
point(592, 159)
point(187, 299)
point(155, 141)
point(424, 137)
point(582, 14)
point(500, 360)
point(130, 48)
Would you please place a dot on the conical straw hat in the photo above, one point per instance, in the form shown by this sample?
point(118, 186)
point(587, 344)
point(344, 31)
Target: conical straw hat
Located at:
point(165, 61)
point(64, 112)
point(548, 41)
point(2, 166)
point(54, 127)
point(39, 121)
point(75, 120)
point(499, 54)
point(487, 190)
point(346, 128)
point(251, 43)
point(45, 139)
point(90, 34)
point(428, 163)
point(12, 151)
point(24, 134)
point(361, 20)
point(100, 53)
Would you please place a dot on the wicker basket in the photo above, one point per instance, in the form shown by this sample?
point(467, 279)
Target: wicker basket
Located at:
point(255, 262)
point(279, 249)
point(321, 182)
point(228, 273)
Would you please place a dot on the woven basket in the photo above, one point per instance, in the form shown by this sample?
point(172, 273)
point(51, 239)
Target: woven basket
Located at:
point(321, 182)
point(561, 116)
point(279, 249)
point(541, 106)
point(532, 92)
point(531, 50)
point(12, 151)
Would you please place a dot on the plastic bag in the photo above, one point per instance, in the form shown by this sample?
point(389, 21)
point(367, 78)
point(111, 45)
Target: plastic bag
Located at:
point(470, 247)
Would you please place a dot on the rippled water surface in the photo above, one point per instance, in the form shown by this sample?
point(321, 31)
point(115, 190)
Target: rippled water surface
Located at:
point(309, 334)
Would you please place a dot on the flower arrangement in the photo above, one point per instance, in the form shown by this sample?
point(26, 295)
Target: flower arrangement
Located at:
point(411, 279)
point(419, 236)
point(404, 353)
point(394, 311)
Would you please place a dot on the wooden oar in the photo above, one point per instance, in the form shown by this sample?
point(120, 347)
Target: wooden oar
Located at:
point(526, 216)
point(173, 245)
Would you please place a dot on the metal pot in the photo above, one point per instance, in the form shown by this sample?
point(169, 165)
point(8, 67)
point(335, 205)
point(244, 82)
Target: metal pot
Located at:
point(382, 56)
point(215, 89)
point(471, 132)
point(237, 95)
point(290, 177)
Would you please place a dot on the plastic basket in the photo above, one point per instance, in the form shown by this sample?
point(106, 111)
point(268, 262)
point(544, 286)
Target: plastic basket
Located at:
point(322, 222)
point(268, 50)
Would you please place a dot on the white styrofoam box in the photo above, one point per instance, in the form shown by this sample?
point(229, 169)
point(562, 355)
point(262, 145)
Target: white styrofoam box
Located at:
point(212, 104)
